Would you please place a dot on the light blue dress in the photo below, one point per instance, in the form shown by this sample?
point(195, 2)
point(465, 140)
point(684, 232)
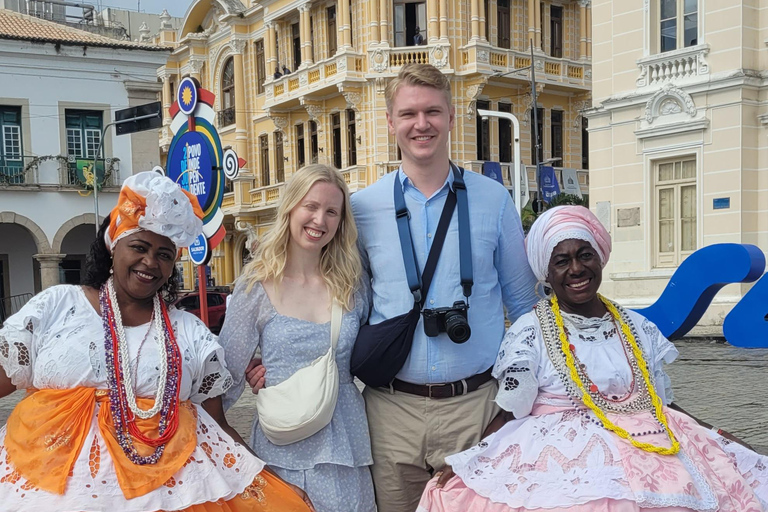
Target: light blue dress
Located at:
point(332, 466)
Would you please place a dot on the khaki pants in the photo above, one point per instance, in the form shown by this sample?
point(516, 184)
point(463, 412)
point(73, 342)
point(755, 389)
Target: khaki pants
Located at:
point(411, 436)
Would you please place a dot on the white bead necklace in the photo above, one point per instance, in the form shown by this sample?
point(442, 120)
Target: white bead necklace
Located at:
point(125, 362)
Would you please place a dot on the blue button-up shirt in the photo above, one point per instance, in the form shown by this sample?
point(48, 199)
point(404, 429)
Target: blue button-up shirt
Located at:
point(502, 276)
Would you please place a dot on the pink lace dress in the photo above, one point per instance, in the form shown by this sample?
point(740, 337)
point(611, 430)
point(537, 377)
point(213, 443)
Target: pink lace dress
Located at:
point(557, 457)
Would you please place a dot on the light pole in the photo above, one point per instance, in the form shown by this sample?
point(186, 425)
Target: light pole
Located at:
point(516, 141)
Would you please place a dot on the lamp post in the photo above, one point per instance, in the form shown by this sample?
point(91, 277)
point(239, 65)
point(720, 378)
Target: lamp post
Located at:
point(516, 141)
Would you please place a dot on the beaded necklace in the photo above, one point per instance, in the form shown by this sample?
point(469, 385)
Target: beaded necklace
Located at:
point(122, 400)
point(574, 379)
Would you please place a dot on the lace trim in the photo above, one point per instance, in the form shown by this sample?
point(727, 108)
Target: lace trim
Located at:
point(708, 502)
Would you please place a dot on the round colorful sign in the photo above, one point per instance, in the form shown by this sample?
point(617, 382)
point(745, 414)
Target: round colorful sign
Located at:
point(190, 166)
point(200, 251)
point(187, 96)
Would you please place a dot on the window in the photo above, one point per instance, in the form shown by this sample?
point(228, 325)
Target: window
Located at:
point(556, 135)
point(351, 138)
point(537, 128)
point(300, 146)
point(556, 31)
point(83, 138)
point(584, 143)
point(351, 24)
point(505, 135)
point(11, 159)
point(264, 159)
point(542, 11)
point(313, 147)
point(279, 158)
point(296, 46)
point(312, 38)
point(675, 198)
point(227, 113)
point(502, 24)
point(331, 12)
point(483, 133)
point(678, 24)
point(487, 18)
point(336, 132)
point(408, 16)
point(261, 67)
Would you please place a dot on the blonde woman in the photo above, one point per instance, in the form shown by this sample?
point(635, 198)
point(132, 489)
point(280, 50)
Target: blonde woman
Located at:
point(282, 305)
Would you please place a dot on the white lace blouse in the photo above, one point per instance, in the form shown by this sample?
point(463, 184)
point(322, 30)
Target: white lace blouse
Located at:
point(524, 369)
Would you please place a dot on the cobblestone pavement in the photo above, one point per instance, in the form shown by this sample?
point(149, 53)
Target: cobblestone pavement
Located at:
point(717, 383)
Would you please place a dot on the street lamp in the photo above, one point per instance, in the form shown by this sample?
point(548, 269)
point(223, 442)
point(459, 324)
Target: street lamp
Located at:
point(516, 141)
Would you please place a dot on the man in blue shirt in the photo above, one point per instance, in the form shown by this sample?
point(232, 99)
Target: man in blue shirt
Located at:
point(442, 399)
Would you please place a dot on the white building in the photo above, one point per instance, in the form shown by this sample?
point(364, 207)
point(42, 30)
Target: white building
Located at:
point(678, 141)
point(60, 87)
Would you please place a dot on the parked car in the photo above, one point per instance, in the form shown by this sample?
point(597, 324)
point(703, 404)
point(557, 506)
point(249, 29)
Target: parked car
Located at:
point(217, 307)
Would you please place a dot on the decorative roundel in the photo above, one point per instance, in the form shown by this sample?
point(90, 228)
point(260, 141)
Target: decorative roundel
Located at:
point(231, 164)
point(187, 96)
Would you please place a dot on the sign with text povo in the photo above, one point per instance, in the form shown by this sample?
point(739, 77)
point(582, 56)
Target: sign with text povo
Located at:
point(198, 163)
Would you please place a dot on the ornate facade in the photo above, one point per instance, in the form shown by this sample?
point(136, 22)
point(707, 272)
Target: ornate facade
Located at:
point(298, 82)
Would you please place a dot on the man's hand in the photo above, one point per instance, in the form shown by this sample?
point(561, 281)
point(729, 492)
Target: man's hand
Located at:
point(303, 495)
point(443, 476)
point(254, 375)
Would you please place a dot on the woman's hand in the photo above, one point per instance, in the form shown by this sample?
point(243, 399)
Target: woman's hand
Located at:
point(255, 375)
point(303, 495)
point(443, 476)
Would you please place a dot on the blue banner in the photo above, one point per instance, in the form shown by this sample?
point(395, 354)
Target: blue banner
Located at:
point(550, 188)
point(493, 171)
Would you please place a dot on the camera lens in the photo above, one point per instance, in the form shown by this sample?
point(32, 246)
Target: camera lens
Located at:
point(457, 327)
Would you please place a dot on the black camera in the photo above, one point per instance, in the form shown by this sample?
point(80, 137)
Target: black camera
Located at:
point(452, 321)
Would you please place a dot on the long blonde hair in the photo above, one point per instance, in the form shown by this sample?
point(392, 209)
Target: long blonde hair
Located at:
point(339, 260)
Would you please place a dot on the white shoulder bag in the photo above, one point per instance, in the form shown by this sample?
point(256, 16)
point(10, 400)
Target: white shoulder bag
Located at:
point(303, 403)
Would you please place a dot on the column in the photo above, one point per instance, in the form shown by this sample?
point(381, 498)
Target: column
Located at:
point(537, 21)
point(444, 20)
point(589, 30)
point(384, 21)
point(229, 268)
point(582, 29)
point(167, 94)
point(306, 44)
point(373, 20)
point(345, 24)
point(241, 126)
point(531, 23)
point(433, 23)
point(482, 18)
point(49, 269)
point(196, 67)
point(269, 50)
point(474, 13)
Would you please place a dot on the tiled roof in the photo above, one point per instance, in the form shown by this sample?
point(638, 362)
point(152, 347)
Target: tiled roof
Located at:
point(28, 28)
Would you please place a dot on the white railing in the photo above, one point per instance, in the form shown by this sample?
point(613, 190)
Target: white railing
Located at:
point(389, 60)
point(674, 66)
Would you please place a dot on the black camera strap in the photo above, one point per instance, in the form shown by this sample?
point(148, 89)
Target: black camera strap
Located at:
point(419, 285)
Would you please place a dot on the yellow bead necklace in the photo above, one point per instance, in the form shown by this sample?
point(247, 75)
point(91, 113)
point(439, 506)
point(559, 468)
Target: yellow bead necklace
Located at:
point(587, 399)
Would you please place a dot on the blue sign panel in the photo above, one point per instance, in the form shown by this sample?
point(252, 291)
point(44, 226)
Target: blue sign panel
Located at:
point(721, 203)
point(189, 165)
point(199, 251)
point(550, 188)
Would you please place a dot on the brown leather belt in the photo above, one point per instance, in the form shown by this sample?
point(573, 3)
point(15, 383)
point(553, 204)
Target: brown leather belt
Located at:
point(451, 389)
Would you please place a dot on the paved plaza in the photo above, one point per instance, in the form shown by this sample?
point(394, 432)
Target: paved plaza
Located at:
point(715, 382)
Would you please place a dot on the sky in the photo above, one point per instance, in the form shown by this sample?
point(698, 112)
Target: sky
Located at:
point(176, 8)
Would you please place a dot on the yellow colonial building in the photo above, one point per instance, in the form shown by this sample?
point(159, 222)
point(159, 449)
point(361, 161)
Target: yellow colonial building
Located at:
point(301, 81)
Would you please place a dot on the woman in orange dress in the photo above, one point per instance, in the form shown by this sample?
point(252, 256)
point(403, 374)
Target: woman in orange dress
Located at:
point(114, 418)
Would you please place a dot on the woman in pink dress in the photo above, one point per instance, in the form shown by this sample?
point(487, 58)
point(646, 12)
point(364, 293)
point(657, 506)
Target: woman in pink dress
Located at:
point(587, 421)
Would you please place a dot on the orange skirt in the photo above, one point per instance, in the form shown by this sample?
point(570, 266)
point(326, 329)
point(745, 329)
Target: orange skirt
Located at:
point(267, 493)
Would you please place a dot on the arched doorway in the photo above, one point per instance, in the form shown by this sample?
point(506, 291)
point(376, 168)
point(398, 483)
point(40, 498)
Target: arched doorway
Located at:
point(19, 270)
point(75, 245)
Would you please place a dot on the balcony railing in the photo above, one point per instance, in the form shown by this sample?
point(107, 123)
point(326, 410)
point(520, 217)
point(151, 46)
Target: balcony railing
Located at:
point(315, 77)
point(266, 196)
point(390, 60)
point(354, 177)
point(12, 173)
point(226, 117)
point(480, 57)
point(676, 66)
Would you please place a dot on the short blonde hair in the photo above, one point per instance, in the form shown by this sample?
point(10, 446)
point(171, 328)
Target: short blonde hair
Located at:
point(340, 260)
point(423, 75)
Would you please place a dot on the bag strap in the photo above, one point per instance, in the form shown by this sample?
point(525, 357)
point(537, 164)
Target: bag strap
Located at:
point(336, 314)
point(465, 244)
point(437, 244)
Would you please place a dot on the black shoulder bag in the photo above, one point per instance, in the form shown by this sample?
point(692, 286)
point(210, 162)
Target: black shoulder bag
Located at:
point(380, 350)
